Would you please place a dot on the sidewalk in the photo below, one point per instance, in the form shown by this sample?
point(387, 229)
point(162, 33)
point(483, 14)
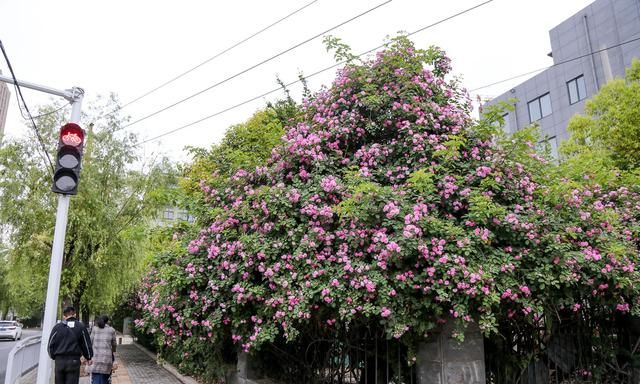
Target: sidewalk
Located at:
point(135, 366)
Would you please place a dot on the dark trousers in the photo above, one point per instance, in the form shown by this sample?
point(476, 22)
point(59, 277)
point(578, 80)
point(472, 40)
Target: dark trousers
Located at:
point(67, 371)
point(99, 378)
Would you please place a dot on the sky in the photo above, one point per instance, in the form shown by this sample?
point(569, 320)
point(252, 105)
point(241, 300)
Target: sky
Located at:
point(130, 47)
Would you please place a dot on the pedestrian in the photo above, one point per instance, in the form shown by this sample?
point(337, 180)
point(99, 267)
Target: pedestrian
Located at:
point(103, 338)
point(68, 341)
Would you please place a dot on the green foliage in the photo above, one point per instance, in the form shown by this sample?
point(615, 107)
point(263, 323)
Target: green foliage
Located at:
point(387, 208)
point(4, 286)
point(341, 51)
point(491, 120)
point(108, 219)
point(609, 131)
point(365, 202)
point(244, 146)
point(421, 181)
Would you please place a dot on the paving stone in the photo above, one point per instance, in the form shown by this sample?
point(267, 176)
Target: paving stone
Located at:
point(140, 368)
point(134, 367)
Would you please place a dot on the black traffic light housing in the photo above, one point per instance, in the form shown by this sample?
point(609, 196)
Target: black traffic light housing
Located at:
point(66, 176)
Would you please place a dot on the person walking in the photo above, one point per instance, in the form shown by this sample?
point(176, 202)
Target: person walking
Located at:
point(103, 338)
point(68, 341)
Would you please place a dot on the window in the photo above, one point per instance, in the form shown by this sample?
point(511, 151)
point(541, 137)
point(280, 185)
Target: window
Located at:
point(577, 89)
point(553, 147)
point(168, 214)
point(182, 215)
point(507, 123)
point(539, 108)
point(549, 144)
point(505, 126)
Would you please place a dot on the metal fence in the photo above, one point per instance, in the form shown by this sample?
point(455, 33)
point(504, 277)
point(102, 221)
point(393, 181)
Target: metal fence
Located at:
point(596, 347)
point(22, 359)
point(345, 356)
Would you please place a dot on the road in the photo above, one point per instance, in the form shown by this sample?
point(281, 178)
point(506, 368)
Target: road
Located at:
point(7, 345)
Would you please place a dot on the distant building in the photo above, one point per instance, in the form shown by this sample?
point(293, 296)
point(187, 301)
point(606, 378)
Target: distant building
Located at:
point(172, 215)
point(4, 105)
point(590, 48)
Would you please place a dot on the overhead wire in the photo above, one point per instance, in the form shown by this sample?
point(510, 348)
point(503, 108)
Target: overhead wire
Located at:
point(235, 45)
point(362, 54)
point(307, 76)
point(46, 157)
point(51, 112)
point(225, 80)
point(557, 64)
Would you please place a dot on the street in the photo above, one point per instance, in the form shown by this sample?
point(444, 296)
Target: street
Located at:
point(7, 345)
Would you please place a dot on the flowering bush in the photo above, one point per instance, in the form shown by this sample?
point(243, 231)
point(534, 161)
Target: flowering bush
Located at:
point(387, 205)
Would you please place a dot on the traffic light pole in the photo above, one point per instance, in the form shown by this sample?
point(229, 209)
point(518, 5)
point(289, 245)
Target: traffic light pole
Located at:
point(75, 96)
point(55, 269)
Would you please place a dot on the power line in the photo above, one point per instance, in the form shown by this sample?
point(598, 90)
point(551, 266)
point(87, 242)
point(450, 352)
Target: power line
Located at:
point(557, 64)
point(510, 78)
point(213, 57)
point(305, 77)
point(256, 65)
point(51, 112)
point(33, 122)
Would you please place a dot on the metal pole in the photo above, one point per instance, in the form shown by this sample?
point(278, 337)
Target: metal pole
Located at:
point(55, 269)
point(52, 91)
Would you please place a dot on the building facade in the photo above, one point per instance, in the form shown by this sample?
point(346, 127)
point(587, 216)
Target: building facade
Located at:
point(4, 105)
point(588, 49)
point(172, 215)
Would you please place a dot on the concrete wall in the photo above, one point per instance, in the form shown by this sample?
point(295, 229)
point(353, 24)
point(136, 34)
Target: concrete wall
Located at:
point(609, 23)
point(444, 360)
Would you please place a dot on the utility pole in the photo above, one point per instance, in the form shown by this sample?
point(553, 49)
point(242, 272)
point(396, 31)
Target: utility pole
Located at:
point(74, 96)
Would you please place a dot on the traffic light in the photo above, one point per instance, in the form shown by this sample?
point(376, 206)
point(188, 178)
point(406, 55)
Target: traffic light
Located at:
point(67, 173)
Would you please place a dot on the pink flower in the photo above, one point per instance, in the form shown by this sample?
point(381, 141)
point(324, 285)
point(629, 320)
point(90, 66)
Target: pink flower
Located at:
point(393, 247)
point(624, 307)
point(592, 254)
point(293, 195)
point(391, 210)
point(411, 231)
point(329, 184)
point(385, 312)
point(482, 233)
point(483, 171)
point(370, 286)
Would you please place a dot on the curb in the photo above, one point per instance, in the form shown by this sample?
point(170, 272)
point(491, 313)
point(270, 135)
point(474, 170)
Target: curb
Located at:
point(170, 368)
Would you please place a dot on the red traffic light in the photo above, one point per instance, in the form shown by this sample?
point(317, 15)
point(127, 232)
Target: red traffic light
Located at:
point(66, 175)
point(71, 134)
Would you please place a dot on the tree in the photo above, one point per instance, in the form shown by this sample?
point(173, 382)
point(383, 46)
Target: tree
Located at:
point(118, 196)
point(608, 133)
point(4, 287)
point(244, 146)
point(388, 208)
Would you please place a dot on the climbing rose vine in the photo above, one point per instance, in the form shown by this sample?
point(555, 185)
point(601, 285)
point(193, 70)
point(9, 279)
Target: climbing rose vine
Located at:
point(387, 204)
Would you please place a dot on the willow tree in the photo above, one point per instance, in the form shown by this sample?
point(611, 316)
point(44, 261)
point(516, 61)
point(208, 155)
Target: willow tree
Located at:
point(118, 196)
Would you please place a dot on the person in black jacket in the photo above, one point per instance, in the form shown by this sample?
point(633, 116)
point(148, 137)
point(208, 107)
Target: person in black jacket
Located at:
point(68, 341)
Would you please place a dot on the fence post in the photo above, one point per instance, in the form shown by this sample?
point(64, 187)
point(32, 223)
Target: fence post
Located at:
point(444, 360)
